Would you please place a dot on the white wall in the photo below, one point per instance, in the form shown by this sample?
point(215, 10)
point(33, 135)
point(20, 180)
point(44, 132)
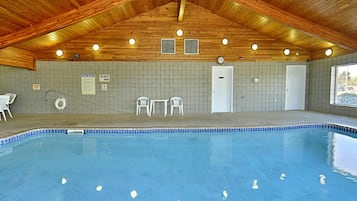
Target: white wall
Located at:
point(319, 85)
point(190, 80)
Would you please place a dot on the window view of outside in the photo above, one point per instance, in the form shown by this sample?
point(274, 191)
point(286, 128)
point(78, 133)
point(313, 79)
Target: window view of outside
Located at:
point(346, 85)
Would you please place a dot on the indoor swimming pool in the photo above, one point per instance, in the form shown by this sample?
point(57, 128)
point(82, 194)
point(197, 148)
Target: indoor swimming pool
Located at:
point(311, 163)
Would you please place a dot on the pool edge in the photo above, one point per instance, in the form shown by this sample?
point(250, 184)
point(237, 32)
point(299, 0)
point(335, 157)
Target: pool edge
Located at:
point(38, 131)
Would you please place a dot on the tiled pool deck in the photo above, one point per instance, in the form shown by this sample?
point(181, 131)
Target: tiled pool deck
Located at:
point(25, 122)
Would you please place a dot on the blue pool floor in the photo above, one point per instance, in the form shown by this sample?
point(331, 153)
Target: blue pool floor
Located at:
point(274, 165)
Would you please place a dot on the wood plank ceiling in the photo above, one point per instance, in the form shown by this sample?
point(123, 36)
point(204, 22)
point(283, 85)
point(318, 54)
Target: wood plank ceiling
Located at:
point(34, 31)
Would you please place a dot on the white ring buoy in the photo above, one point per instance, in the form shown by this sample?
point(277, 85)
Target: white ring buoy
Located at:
point(60, 103)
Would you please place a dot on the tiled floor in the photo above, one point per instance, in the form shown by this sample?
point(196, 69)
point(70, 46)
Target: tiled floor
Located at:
point(23, 122)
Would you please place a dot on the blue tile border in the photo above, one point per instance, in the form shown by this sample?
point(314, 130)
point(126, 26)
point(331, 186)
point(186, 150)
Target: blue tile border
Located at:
point(30, 134)
point(38, 132)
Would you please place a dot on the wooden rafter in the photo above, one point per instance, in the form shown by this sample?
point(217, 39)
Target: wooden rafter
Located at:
point(181, 12)
point(16, 57)
point(261, 7)
point(75, 3)
point(60, 21)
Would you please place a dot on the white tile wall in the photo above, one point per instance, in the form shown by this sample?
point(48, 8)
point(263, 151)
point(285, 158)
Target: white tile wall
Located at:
point(320, 81)
point(129, 80)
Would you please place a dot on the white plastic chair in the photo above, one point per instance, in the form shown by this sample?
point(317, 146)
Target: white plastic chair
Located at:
point(143, 102)
point(176, 102)
point(4, 102)
point(11, 101)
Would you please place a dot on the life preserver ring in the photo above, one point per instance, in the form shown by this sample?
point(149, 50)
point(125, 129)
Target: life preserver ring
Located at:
point(60, 103)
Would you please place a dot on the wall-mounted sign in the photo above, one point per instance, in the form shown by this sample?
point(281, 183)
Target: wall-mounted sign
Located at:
point(36, 87)
point(104, 78)
point(88, 84)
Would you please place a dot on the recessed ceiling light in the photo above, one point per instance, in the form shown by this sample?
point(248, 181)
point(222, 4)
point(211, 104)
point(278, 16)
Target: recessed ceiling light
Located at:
point(254, 46)
point(132, 41)
point(59, 52)
point(224, 41)
point(286, 52)
point(179, 32)
point(95, 47)
point(328, 52)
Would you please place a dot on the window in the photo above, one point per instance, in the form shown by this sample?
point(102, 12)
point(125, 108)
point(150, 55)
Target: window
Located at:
point(344, 85)
point(168, 46)
point(191, 46)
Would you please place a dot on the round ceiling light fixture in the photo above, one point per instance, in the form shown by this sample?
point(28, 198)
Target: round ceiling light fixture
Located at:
point(224, 41)
point(95, 47)
point(179, 32)
point(254, 46)
point(328, 52)
point(132, 41)
point(59, 52)
point(286, 51)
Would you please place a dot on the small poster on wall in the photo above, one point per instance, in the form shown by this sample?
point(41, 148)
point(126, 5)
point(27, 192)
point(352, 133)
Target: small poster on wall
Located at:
point(88, 84)
point(104, 78)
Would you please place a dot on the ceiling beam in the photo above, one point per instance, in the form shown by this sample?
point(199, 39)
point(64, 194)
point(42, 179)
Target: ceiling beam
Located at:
point(60, 21)
point(75, 3)
point(181, 12)
point(16, 57)
point(275, 13)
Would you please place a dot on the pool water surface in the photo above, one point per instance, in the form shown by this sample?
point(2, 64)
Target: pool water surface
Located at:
point(294, 164)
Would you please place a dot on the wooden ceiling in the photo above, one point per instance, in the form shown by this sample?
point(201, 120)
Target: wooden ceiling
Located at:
point(31, 31)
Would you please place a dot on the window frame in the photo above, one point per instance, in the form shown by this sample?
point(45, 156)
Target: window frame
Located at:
point(334, 85)
point(186, 45)
point(164, 46)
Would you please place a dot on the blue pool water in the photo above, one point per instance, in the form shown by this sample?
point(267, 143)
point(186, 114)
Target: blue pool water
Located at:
point(295, 164)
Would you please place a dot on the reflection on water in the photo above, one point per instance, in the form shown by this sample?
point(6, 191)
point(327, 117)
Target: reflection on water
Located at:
point(89, 147)
point(343, 153)
point(6, 150)
point(283, 165)
point(221, 151)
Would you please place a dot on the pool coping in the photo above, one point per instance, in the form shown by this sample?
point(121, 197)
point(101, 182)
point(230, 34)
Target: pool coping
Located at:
point(38, 131)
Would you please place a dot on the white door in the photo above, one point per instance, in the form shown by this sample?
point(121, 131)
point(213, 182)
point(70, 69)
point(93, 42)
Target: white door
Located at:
point(222, 89)
point(295, 87)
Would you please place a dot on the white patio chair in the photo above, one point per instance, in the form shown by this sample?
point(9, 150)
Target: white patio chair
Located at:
point(4, 102)
point(143, 102)
point(178, 103)
point(11, 101)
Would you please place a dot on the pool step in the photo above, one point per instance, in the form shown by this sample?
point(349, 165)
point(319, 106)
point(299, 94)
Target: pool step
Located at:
point(75, 132)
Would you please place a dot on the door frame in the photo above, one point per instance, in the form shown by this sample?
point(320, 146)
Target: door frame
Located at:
point(230, 70)
point(303, 99)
